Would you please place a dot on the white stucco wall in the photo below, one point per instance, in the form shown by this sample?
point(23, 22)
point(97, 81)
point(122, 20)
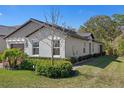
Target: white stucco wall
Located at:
point(96, 47)
point(74, 47)
point(44, 38)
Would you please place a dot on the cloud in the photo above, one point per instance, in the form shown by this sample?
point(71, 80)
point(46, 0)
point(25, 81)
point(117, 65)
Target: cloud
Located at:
point(1, 14)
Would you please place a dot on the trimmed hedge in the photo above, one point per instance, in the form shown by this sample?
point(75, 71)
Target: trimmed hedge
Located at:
point(30, 64)
point(59, 69)
point(47, 58)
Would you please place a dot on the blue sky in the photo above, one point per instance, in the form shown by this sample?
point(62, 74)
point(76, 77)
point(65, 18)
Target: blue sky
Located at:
point(73, 16)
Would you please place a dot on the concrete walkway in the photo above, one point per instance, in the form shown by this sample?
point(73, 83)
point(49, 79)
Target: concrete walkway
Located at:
point(79, 64)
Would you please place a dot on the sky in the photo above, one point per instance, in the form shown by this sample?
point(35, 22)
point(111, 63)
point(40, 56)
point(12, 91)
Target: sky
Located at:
point(72, 16)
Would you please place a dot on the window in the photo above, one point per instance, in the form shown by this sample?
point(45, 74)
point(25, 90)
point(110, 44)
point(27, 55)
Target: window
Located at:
point(56, 47)
point(35, 48)
point(89, 48)
point(84, 50)
point(93, 48)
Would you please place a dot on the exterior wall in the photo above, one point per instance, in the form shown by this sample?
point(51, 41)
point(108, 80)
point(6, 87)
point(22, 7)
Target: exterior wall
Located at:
point(43, 36)
point(74, 47)
point(2, 44)
point(14, 41)
point(96, 47)
point(69, 46)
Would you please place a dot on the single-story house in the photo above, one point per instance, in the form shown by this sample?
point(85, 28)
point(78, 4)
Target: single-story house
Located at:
point(34, 38)
point(4, 31)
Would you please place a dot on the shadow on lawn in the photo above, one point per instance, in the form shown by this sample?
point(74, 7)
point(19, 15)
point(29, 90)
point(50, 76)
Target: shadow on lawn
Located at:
point(101, 62)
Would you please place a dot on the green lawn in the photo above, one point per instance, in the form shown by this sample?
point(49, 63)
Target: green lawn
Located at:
point(99, 72)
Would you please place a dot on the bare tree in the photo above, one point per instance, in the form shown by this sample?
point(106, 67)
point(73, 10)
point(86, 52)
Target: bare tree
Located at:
point(53, 20)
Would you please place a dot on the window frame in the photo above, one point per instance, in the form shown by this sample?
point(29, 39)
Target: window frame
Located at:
point(84, 47)
point(35, 47)
point(56, 47)
point(93, 47)
point(84, 50)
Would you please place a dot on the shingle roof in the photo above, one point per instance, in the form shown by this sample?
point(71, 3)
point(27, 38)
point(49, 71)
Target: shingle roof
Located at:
point(6, 30)
point(69, 32)
point(86, 35)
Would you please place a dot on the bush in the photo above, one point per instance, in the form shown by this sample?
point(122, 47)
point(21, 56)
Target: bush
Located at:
point(103, 53)
point(84, 57)
point(47, 58)
point(73, 60)
point(120, 48)
point(26, 65)
point(58, 70)
point(14, 57)
point(81, 58)
point(97, 54)
point(1, 58)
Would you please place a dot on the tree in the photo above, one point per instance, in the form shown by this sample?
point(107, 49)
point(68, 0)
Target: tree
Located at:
point(54, 17)
point(118, 18)
point(51, 30)
point(103, 28)
point(119, 45)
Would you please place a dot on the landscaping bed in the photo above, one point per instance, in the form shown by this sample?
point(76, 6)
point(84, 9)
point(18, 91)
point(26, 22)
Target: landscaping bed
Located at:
point(105, 71)
point(14, 59)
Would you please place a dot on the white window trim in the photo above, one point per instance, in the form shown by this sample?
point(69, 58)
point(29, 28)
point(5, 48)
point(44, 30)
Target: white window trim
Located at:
point(34, 55)
point(56, 56)
point(57, 47)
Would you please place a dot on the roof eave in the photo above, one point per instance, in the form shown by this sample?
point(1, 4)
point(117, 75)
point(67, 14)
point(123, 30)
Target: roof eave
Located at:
point(18, 28)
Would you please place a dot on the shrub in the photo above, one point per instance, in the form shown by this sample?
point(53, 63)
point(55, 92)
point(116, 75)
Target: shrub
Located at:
point(84, 57)
point(97, 54)
point(73, 60)
point(81, 58)
point(58, 70)
point(26, 65)
point(103, 53)
point(120, 48)
point(47, 58)
point(14, 57)
point(1, 57)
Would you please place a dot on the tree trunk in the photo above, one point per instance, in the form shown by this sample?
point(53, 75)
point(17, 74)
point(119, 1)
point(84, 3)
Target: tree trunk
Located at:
point(52, 58)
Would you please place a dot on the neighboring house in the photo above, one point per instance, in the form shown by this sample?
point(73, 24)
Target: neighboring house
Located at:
point(4, 31)
point(34, 38)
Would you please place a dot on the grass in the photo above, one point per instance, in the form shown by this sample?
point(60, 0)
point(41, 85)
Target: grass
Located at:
point(98, 72)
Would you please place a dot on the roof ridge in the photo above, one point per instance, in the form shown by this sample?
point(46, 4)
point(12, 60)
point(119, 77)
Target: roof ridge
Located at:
point(51, 24)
